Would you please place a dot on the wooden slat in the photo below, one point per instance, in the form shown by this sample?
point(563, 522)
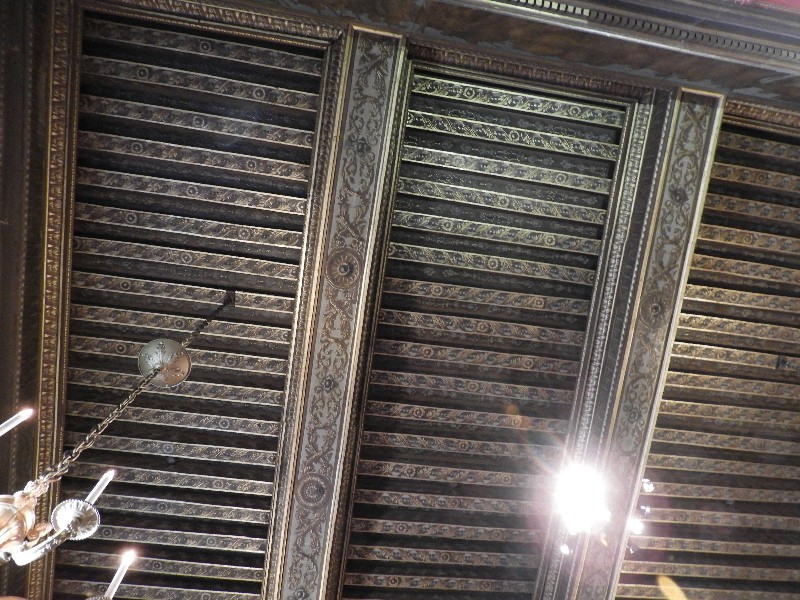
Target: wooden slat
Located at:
point(150, 190)
point(514, 136)
point(77, 559)
point(452, 584)
point(173, 479)
point(546, 203)
point(148, 592)
point(648, 592)
point(203, 45)
point(500, 168)
point(495, 234)
point(193, 169)
point(444, 531)
point(720, 518)
point(184, 420)
point(166, 508)
point(516, 101)
point(446, 504)
point(180, 450)
point(449, 475)
point(111, 380)
point(121, 72)
point(759, 146)
point(182, 122)
point(389, 554)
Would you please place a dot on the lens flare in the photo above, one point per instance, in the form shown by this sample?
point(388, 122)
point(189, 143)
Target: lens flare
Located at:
point(580, 499)
point(669, 588)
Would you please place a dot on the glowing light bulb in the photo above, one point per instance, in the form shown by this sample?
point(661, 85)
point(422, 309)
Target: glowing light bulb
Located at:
point(580, 499)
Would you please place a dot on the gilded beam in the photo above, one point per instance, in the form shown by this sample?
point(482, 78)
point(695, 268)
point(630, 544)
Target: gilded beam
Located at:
point(664, 271)
point(371, 87)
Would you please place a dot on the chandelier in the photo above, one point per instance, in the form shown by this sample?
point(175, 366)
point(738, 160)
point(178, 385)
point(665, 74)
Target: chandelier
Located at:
point(162, 363)
point(580, 501)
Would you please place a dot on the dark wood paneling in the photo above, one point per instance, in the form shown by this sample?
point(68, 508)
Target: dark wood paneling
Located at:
point(723, 521)
point(495, 238)
point(193, 175)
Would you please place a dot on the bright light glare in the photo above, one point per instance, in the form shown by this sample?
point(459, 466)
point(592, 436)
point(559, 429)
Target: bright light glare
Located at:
point(635, 526)
point(128, 557)
point(580, 499)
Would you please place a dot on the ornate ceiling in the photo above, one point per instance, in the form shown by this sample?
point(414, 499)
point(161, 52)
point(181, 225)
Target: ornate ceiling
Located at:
point(463, 258)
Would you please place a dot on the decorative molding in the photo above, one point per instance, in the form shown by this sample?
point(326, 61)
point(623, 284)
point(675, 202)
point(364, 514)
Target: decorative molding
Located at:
point(680, 32)
point(59, 191)
point(210, 13)
point(444, 58)
point(759, 115)
point(665, 268)
point(371, 91)
point(644, 133)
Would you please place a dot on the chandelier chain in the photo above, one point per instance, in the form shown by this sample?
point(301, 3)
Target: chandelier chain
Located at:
point(56, 472)
point(53, 474)
point(229, 298)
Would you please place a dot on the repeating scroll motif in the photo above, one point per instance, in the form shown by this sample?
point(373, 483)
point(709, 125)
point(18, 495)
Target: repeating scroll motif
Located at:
point(356, 200)
point(664, 273)
point(55, 296)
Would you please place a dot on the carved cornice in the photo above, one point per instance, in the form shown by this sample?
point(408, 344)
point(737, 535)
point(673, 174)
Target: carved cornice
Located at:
point(728, 30)
point(746, 62)
point(211, 13)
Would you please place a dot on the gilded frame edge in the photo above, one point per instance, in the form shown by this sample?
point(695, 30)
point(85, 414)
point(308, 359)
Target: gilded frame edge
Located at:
point(311, 274)
point(650, 322)
point(62, 108)
point(56, 267)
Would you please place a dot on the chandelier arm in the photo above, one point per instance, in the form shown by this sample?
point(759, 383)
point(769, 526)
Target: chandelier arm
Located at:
point(30, 554)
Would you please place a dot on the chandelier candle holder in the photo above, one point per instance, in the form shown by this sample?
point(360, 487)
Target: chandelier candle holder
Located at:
point(162, 362)
point(15, 420)
point(127, 560)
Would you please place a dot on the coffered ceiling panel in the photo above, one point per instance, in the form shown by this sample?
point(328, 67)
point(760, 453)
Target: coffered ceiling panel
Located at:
point(496, 231)
point(723, 518)
point(193, 170)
